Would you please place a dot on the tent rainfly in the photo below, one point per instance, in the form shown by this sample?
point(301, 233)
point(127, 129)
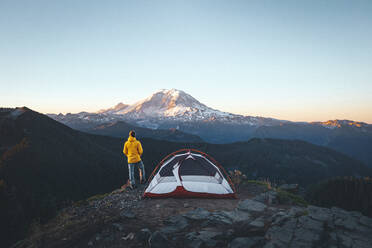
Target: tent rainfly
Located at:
point(189, 173)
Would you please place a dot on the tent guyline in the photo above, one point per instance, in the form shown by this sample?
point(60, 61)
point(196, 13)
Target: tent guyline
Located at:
point(189, 173)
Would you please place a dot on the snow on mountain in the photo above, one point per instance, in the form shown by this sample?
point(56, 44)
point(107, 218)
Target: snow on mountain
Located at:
point(162, 106)
point(169, 103)
point(176, 105)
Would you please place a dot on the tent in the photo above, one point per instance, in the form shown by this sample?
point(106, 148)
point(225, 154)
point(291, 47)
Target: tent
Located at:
point(189, 173)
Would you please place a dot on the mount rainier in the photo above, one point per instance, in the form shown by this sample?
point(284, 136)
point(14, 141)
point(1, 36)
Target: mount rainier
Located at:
point(175, 109)
point(164, 108)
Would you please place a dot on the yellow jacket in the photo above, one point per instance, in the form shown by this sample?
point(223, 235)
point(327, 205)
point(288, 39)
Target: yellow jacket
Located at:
point(133, 150)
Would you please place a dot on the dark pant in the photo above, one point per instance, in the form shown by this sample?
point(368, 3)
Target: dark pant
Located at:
point(141, 169)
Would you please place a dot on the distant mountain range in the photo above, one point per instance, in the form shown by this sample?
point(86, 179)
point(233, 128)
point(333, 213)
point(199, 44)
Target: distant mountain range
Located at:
point(175, 109)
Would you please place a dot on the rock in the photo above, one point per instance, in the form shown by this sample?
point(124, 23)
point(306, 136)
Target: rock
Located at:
point(195, 244)
point(308, 232)
point(344, 240)
point(118, 226)
point(305, 222)
point(174, 224)
point(219, 218)
point(239, 216)
point(348, 223)
point(130, 236)
point(366, 221)
point(319, 214)
point(279, 218)
point(144, 235)
point(223, 218)
point(249, 228)
point(362, 243)
point(251, 206)
point(344, 219)
point(90, 243)
point(127, 214)
point(186, 205)
point(205, 237)
point(355, 214)
point(158, 240)
point(243, 242)
point(176, 220)
point(257, 223)
point(281, 235)
point(197, 214)
point(297, 212)
point(338, 212)
point(305, 236)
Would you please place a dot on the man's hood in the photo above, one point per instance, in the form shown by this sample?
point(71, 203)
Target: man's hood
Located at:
point(131, 139)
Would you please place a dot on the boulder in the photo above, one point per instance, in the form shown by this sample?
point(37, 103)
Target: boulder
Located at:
point(257, 223)
point(297, 212)
point(205, 237)
point(221, 218)
point(366, 221)
point(251, 206)
point(282, 235)
point(144, 235)
point(174, 224)
point(158, 240)
point(197, 214)
point(244, 242)
point(319, 214)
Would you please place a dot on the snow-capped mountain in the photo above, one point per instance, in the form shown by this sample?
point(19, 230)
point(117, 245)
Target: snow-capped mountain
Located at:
point(172, 109)
point(169, 103)
point(176, 105)
point(164, 104)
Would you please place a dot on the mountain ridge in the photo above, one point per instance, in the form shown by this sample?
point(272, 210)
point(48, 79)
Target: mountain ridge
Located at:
point(169, 109)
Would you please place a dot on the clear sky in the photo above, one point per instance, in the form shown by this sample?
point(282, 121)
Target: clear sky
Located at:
point(294, 60)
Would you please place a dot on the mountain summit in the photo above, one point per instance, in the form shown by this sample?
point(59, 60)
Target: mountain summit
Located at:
point(168, 103)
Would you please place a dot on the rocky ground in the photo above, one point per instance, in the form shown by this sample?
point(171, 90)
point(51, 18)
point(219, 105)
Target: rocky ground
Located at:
point(258, 218)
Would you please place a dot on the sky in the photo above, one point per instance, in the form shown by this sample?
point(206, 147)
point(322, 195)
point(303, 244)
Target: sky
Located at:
point(292, 60)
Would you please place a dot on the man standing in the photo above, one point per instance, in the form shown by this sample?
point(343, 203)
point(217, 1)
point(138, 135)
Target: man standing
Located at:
point(133, 150)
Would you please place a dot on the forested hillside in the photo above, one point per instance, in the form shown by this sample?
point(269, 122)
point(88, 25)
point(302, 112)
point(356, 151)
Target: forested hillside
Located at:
point(349, 193)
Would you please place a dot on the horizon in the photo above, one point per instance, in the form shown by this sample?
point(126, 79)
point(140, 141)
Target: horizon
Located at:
point(288, 60)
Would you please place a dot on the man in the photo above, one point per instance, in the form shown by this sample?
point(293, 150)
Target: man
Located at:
point(133, 150)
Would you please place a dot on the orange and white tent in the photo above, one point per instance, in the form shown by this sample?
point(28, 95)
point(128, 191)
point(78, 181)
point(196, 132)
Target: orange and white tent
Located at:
point(189, 173)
